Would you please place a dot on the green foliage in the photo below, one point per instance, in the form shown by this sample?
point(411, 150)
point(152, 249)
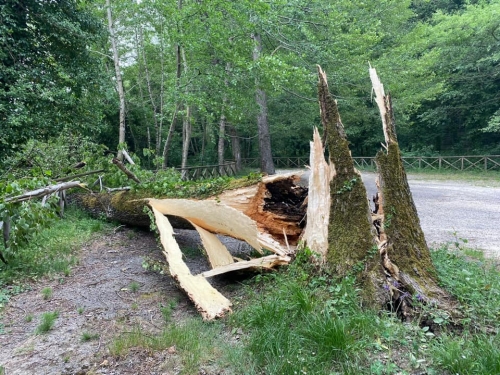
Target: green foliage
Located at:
point(47, 321)
point(49, 77)
point(46, 293)
point(88, 336)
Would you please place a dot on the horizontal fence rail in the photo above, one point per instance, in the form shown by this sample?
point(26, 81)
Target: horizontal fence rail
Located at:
point(208, 171)
point(458, 163)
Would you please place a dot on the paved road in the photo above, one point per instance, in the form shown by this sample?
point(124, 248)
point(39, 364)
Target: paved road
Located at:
point(455, 209)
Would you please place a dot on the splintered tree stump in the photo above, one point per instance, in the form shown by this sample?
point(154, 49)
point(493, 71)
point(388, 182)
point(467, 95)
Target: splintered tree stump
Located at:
point(410, 273)
point(350, 236)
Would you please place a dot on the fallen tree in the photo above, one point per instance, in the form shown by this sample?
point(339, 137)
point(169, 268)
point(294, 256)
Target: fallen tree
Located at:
point(385, 249)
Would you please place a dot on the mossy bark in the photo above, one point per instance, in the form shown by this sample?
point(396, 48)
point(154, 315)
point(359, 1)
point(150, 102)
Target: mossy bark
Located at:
point(351, 240)
point(409, 272)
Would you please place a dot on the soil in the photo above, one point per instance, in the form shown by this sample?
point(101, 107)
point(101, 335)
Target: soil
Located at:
point(99, 297)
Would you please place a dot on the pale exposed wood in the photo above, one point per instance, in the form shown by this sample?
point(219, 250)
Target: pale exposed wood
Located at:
point(318, 200)
point(127, 157)
point(209, 302)
point(269, 243)
point(217, 253)
point(43, 191)
point(267, 262)
point(251, 201)
point(378, 89)
point(211, 216)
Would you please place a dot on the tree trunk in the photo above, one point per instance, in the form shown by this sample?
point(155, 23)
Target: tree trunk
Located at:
point(275, 204)
point(401, 242)
point(119, 83)
point(222, 131)
point(156, 113)
point(266, 157)
point(235, 147)
point(186, 122)
point(171, 129)
point(350, 236)
point(387, 250)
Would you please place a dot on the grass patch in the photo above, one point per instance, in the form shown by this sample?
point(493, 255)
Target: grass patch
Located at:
point(168, 310)
point(475, 282)
point(88, 336)
point(47, 321)
point(134, 286)
point(483, 178)
point(46, 293)
point(196, 343)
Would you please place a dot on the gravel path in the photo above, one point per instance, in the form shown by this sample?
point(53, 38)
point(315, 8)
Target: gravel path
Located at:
point(451, 210)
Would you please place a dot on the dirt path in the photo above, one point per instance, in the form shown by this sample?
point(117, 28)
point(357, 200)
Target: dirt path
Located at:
point(99, 299)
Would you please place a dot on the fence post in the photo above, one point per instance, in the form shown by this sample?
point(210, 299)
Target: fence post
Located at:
point(439, 163)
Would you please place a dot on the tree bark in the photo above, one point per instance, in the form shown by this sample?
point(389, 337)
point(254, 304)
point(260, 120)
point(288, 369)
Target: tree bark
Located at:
point(350, 236)
point(266, 157)
point(222, 132)
point(171, 129)
point(235, 147)
point(119, 83)
point(401, 242)
point(186, 122)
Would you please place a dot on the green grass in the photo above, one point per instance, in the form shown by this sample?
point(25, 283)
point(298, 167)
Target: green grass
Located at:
point(134, 286)
point(47, 321)
point(46, 293)
point(483, 178)
point(299, 321)
point(195, 343)
point(88, 336)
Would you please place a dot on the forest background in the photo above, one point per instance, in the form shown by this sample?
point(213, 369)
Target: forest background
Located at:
point(208, 81)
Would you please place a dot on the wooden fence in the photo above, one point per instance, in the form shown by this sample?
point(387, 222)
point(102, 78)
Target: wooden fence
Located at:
point(458, 163)
point(208, 171)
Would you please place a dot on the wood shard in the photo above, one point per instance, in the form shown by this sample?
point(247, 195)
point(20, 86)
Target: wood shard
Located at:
point(211, 216)
point(267, 262)
point(208, 301)
point(318, 206)
point(217, 253)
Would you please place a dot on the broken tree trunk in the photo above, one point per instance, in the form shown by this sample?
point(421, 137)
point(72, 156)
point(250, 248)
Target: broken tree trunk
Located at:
point(210, 217)
point(350, 236)
point(209, 302)
point(402, 246)
point(275, 203)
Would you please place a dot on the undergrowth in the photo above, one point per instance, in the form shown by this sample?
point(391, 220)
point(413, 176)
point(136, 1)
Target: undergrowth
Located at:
point(302, 321)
